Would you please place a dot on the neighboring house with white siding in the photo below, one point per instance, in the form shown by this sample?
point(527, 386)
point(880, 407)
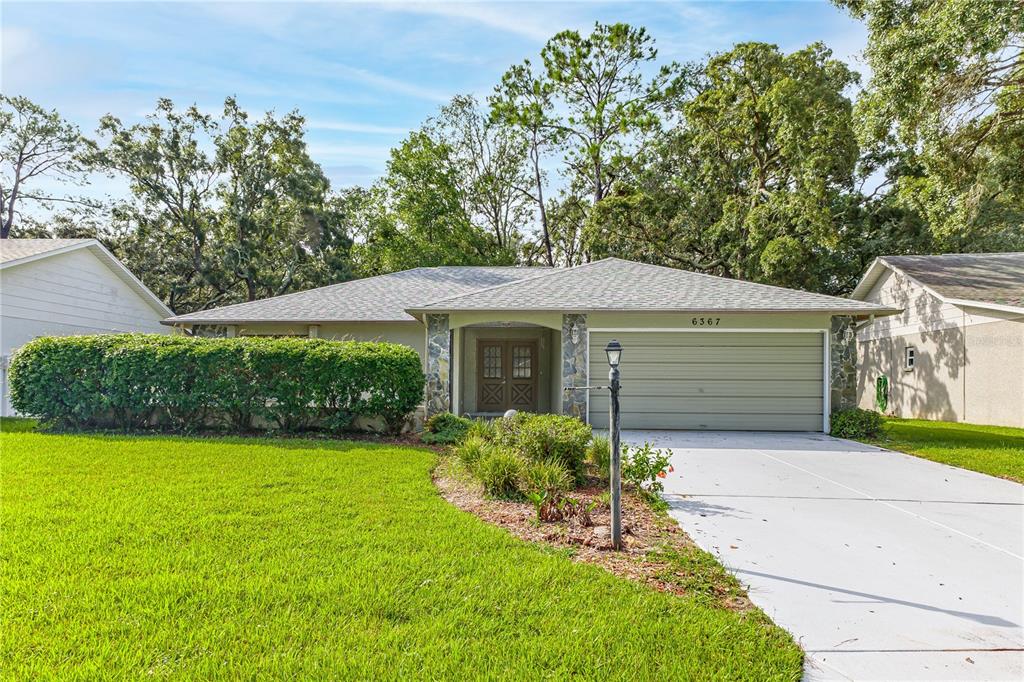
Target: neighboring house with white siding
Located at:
point(956, 352)
point(60, 287)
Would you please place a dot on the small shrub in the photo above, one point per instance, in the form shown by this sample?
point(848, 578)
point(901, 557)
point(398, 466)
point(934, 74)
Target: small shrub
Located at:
point(545, 477)
point(599, 454)
point(546, 437)
point(482, 428)
point(446, 429)
point(857, 423)
point(499, 471)
point(471, 450)
point(643, 467)
point(507, 429)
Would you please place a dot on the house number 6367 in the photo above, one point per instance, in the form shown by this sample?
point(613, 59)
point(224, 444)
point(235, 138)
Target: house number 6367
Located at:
point(706, 321)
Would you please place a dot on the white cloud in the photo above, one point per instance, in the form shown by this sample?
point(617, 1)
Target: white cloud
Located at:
point(530, 20)
point(352, 127)
point(386, 83)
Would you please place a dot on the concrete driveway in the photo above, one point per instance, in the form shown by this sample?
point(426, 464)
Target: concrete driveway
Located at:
point(882, 565)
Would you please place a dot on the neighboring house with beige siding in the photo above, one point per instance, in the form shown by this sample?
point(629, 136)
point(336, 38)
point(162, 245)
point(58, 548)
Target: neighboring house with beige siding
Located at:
point(700, 352)
point(60, 287)
point(956, 352)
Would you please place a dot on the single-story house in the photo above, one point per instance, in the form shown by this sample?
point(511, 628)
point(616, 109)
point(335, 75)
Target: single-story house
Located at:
point(60, 287)
point(956, 352)
point(700, 352)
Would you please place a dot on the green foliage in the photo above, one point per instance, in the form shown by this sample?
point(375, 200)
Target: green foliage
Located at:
point(599, 454)
point(139, 381)
point(222, 209)
point(499, 471)
point(549, 477)
point(546, 438)
point(856, 423)
point(943, 113)
point(482, 428)
point(544, 484)
point(882, 393)
point(415, 215)
point(445, 429)
point(644, 466)
point(753, 186)
point(37, 147)
point(17, 425)
point(471, 450)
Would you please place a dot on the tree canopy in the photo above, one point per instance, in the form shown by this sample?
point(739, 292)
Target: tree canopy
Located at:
point(755, 163)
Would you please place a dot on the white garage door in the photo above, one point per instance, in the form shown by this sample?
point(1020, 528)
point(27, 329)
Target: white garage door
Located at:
point(745, 381)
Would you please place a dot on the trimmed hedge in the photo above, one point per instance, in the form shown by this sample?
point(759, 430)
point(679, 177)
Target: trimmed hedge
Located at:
point(142, 381)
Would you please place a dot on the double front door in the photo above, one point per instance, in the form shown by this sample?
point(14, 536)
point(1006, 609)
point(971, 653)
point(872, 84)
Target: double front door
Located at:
point(506, 375)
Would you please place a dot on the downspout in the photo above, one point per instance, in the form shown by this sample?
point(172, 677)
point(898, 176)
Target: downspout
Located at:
point(963, 354)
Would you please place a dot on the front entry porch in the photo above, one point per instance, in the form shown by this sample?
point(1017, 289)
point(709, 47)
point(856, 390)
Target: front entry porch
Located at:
point(505, 366)
point(479, 366)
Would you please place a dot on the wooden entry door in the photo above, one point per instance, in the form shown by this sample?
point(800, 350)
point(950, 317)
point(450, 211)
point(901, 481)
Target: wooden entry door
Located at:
point(506, 375)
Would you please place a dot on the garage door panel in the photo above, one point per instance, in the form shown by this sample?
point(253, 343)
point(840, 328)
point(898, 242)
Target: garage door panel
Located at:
point(713, 371)
point(713, 380)
point(730, 354)
point(730, 405)
point(710, 339)
point(728, 422)
point(710, 388)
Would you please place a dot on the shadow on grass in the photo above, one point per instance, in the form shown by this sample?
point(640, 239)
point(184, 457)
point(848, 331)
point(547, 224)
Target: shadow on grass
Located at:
point(339, 443)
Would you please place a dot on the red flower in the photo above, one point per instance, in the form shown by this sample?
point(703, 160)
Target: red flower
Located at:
point(662, 474)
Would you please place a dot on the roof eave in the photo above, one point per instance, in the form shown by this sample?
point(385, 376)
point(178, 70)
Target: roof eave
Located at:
point(871, 276)
point(985, 305)
point(177, 321)
point(872, 310)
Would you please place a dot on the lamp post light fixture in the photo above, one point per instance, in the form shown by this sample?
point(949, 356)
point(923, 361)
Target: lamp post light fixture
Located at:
point(614, 352)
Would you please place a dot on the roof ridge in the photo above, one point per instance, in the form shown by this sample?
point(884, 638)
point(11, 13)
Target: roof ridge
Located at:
point(298, 293)
point(554, 270)
point(732, 279)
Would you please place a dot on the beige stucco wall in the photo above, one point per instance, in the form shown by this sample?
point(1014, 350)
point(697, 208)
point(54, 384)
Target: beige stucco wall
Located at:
point(934, 389)
point(994, 391)
point(602, 320)
point(550, 320)
point(969, 361)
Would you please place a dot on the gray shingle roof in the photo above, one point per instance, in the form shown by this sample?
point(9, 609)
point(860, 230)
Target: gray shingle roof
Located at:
point(375, 299)
point(16, 249)
point(985, 277)
point(620, 285)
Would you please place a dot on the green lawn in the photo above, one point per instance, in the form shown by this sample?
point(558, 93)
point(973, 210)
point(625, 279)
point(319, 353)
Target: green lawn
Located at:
point(995, 450)
point(192, 558)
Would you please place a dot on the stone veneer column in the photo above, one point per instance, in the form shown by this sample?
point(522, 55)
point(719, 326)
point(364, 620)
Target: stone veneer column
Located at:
point(439, 363)
point(843, 360)
point(574, 365)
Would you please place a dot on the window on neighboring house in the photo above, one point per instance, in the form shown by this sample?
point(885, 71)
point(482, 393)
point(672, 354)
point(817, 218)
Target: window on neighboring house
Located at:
point(909, 358)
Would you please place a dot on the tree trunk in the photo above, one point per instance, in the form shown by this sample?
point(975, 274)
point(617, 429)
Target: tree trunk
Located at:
point(543, 211)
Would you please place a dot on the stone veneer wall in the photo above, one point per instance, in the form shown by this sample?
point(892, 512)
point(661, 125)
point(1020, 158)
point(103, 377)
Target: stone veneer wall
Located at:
point(574, 365)
point(843, 359)
point(439, 364)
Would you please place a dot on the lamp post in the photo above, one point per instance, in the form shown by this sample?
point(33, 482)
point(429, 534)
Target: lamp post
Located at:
point(614, 352)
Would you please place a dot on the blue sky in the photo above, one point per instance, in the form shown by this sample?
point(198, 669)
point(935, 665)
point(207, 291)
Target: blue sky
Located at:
point(362, 74)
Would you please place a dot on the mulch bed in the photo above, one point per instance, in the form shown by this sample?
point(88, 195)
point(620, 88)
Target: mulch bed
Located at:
point(645, 531)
